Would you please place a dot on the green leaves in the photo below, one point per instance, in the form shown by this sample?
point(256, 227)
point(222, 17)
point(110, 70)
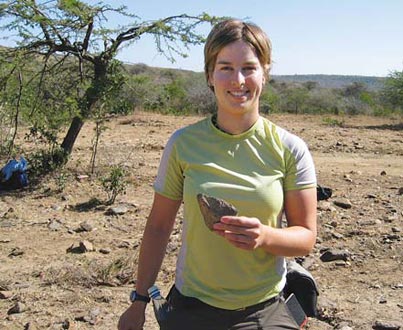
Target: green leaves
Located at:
point(72, 36)
point(393, 91)
point(114, 183)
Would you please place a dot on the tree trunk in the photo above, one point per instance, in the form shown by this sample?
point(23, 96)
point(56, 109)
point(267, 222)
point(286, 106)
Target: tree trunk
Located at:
point(91, 97)
point(72, 134)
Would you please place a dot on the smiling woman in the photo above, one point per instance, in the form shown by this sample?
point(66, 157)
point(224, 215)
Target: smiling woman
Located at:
point(237, 62)
point(230, 275)
point(237, 80)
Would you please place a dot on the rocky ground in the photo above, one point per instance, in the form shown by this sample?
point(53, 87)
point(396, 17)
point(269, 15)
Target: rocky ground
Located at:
point(67, 261)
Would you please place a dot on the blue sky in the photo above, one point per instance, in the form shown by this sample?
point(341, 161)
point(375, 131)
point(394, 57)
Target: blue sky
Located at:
point(346, 37)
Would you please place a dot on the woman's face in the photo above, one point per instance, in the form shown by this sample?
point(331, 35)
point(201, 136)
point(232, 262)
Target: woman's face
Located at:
point(238, 79)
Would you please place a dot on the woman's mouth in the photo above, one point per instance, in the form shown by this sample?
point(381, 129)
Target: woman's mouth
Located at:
point(238, 93)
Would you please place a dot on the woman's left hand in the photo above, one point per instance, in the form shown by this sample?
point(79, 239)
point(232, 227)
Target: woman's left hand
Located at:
point(243, 232)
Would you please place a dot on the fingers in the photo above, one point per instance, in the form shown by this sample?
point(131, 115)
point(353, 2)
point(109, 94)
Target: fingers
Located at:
point(238, 225)
point(240, 221)
point(242, 232)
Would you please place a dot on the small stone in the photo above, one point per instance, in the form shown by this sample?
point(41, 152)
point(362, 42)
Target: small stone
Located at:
point(85, 226)
point(56, 207)
point(334, 254)
point(324, 206)
point(65, 198)
point(390, 218)
point(86, 246)
point(381, 325)
point(17, 308)
point(15, 252)
point(344, 204)
point(348, 178)
point(105, 250)
point(118, 210)
point(343, 326)
point(83, 247)
point(91, 318)
point(30, 326)
point(124, 245)
point(82, 177)
point(337, 235)
point(54, 225)
point(383, 173)
point(5, 294)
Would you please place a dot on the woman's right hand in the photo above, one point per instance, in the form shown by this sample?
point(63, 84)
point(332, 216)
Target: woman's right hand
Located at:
point(134, 317)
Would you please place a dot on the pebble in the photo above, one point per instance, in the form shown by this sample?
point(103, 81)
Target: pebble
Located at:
point(381, 325)
point(15, 252)
point(54, 225)
point(83, 247)
point(85, 226)
point(30, 326)
point(344, 204)
point(105, 250)
point(19, 307)
point(91, 317)
point(86, 246)
point(5, 294)
point(334, 255)
point(118, 210)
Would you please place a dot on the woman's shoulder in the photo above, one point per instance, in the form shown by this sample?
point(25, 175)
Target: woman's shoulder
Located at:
point(199, 126)
point(285, 137)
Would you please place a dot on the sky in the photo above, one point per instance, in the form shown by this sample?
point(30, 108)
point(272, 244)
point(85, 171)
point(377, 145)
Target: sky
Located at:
point(342, 37)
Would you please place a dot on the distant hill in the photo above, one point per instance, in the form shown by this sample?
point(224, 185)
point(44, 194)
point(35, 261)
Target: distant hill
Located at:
point(334, 81)
point(323, 80)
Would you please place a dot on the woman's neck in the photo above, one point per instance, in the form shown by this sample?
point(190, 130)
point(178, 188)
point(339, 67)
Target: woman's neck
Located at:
point(234, 125)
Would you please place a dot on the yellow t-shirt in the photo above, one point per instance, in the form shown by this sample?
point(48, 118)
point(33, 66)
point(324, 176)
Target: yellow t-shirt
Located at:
point(251, 171)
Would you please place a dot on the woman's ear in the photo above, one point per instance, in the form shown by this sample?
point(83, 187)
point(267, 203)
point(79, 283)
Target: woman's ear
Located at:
point(210, 83)
point(266, 69)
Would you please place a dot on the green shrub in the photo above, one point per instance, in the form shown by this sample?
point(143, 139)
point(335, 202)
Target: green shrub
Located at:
point(114, 183)
point(333, 122)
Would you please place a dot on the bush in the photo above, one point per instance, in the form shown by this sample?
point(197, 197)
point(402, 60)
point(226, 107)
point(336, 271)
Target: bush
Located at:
point(114, 184)
point(333, 122)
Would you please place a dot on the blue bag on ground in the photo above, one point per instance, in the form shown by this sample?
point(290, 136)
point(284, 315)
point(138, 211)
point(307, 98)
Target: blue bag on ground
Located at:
point(14, 174)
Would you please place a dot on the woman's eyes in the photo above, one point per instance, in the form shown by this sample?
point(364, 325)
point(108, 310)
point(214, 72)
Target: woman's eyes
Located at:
point(246, 68)
point(226, 68)
point(250, 68)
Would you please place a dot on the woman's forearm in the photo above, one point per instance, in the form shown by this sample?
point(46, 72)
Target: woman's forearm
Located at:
point(289, 242)
point(152, 253)
point(155, 239)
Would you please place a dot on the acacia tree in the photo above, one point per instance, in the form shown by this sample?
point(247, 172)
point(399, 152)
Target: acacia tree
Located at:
point(66, 33)
point(393, 90)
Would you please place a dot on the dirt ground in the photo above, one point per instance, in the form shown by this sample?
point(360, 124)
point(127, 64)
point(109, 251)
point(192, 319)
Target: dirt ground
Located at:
point(47, 282)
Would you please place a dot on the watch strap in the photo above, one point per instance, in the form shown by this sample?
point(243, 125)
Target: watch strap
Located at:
point(134, 296)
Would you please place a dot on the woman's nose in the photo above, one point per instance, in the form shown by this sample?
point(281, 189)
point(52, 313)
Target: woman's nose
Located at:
point(238, 78)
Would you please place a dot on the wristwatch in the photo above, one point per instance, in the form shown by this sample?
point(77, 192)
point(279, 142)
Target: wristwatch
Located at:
point(134, 296)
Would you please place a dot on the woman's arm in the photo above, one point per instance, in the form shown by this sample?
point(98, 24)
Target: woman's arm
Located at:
point(295, 240)
point(155, 239)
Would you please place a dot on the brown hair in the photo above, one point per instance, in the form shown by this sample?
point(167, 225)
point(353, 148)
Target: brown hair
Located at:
point(232, 30)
